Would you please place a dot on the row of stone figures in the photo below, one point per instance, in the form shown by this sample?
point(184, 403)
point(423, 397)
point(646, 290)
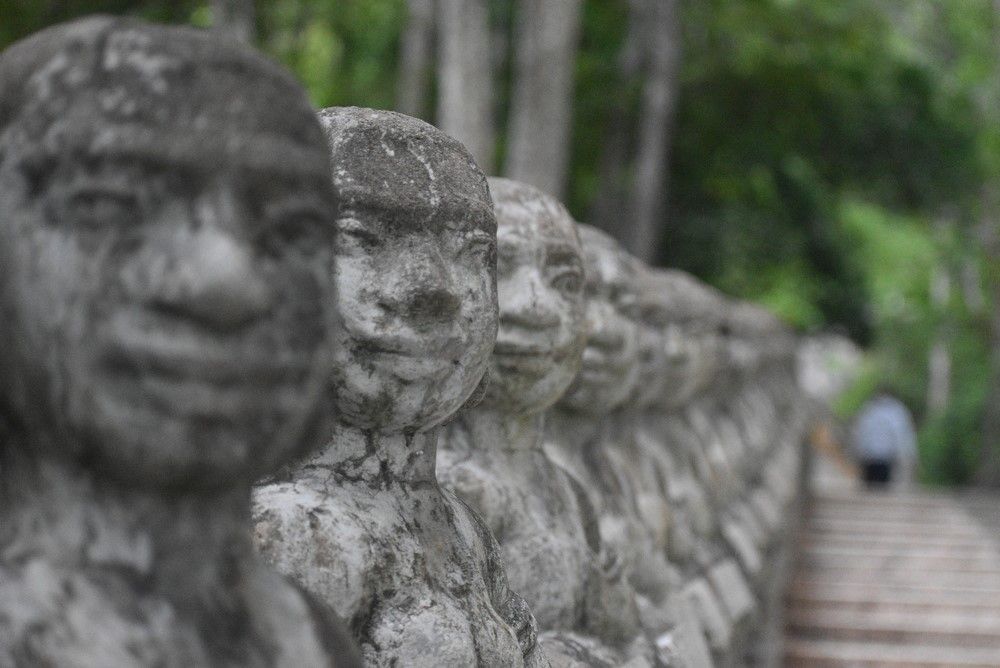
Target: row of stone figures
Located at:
point(252, 415)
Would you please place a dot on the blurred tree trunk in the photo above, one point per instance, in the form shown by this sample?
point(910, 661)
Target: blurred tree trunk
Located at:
point(613, 183)
point(630, 202)
point(988, 472)
point(465, 77)
point(416, 51)
point(545, 47)
point(659, 101)
point(234, 18)
point(939, 358)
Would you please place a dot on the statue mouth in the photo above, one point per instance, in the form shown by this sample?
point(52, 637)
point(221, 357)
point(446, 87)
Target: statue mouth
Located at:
point(411, 360)
point(601, 364)
point(181, 370)
point(196, 361)
point(517, 349)
point(526, 357)
point(435, 348)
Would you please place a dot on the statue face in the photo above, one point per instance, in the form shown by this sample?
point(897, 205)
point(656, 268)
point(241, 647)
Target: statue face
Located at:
point(610, 366)
point(652, 364)
point(540, 284)
point(680, 354)
point(162, 309)
point(415, 288)
point(706, 357)
point(654, 345)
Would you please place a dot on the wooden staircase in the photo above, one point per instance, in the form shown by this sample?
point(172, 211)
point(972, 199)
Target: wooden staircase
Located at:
point(896, 579)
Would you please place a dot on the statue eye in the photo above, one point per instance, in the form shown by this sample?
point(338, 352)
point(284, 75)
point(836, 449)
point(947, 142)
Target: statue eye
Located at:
point(299, 228)
point(483, 247)
point(569, 282)
point(352, 235)
point(625, 301)
point(99, 206)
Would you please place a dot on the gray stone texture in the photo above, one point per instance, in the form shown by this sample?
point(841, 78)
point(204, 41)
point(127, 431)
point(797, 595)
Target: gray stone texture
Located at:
point(162, 321)
point(492, 454)
point(364, 525)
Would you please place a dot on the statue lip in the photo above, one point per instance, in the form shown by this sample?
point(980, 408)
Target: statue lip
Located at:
point(444, 348)
point(678, 357)
point(597, 362)
point(197, 357)
point(512, 349)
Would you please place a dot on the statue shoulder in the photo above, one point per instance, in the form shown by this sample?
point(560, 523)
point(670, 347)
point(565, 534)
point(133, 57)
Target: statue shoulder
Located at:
point(304, 631)
point(479, 488)
point(585, 507)
point(326, 542)
point(51, 616)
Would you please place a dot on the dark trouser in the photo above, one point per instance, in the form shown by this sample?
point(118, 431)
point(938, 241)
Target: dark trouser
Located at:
point(876, 472)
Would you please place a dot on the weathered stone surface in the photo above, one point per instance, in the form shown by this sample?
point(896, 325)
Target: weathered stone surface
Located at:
point(161, 194)
point(743, 547)
point(365, 525)
point(687, 641)
point(714, 620)
point(492, 455)
point(589, 431)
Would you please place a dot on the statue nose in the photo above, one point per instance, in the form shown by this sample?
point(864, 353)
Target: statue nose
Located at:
point(527, 305)
point(211, 278)
point(427, 293)
point(432, 304)
point(605, 331)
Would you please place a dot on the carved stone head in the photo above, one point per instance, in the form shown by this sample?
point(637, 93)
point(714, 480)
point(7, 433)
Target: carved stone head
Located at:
point(540, 284)
point(164, 198)
point(610, 366)
point(693, 338)
point(415, 279)
point(656, 338)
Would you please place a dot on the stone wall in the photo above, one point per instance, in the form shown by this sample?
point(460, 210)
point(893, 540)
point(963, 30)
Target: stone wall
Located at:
point(280, 390)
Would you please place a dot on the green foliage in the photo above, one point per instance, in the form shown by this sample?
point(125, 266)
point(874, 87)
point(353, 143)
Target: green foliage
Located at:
point(787, 108)
point(901, 254)
point(20, 18)
point(344, 53)
point(950, 442)
point(860, 391)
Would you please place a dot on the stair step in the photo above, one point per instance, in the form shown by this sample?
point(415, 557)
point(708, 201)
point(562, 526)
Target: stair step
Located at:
point(915, 564)
point(891, 542)
point(904, 597)
point(911, 550)
point(950, 578)
point(896, 580)
point(818, 580)
point(893, 626)
point(859, 527)
point(808, 653)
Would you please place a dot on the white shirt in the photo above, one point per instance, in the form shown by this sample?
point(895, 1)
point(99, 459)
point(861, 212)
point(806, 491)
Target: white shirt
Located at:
point(884, 431)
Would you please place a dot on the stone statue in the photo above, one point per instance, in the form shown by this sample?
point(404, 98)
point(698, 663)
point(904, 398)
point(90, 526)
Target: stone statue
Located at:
point(641, 452)
point(700, 461)
point(492, 454)
point(365, 525)
point(585, 431)
point(161, 197)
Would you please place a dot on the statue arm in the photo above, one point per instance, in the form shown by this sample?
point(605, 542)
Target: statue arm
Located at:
point(509, 604)
point(301, 534)
point(609, 608)
point(477, 490)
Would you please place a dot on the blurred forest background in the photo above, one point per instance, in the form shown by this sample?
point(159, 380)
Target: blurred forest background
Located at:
point(835, 160)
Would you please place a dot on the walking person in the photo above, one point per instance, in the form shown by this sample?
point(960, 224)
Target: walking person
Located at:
point(885, 441)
